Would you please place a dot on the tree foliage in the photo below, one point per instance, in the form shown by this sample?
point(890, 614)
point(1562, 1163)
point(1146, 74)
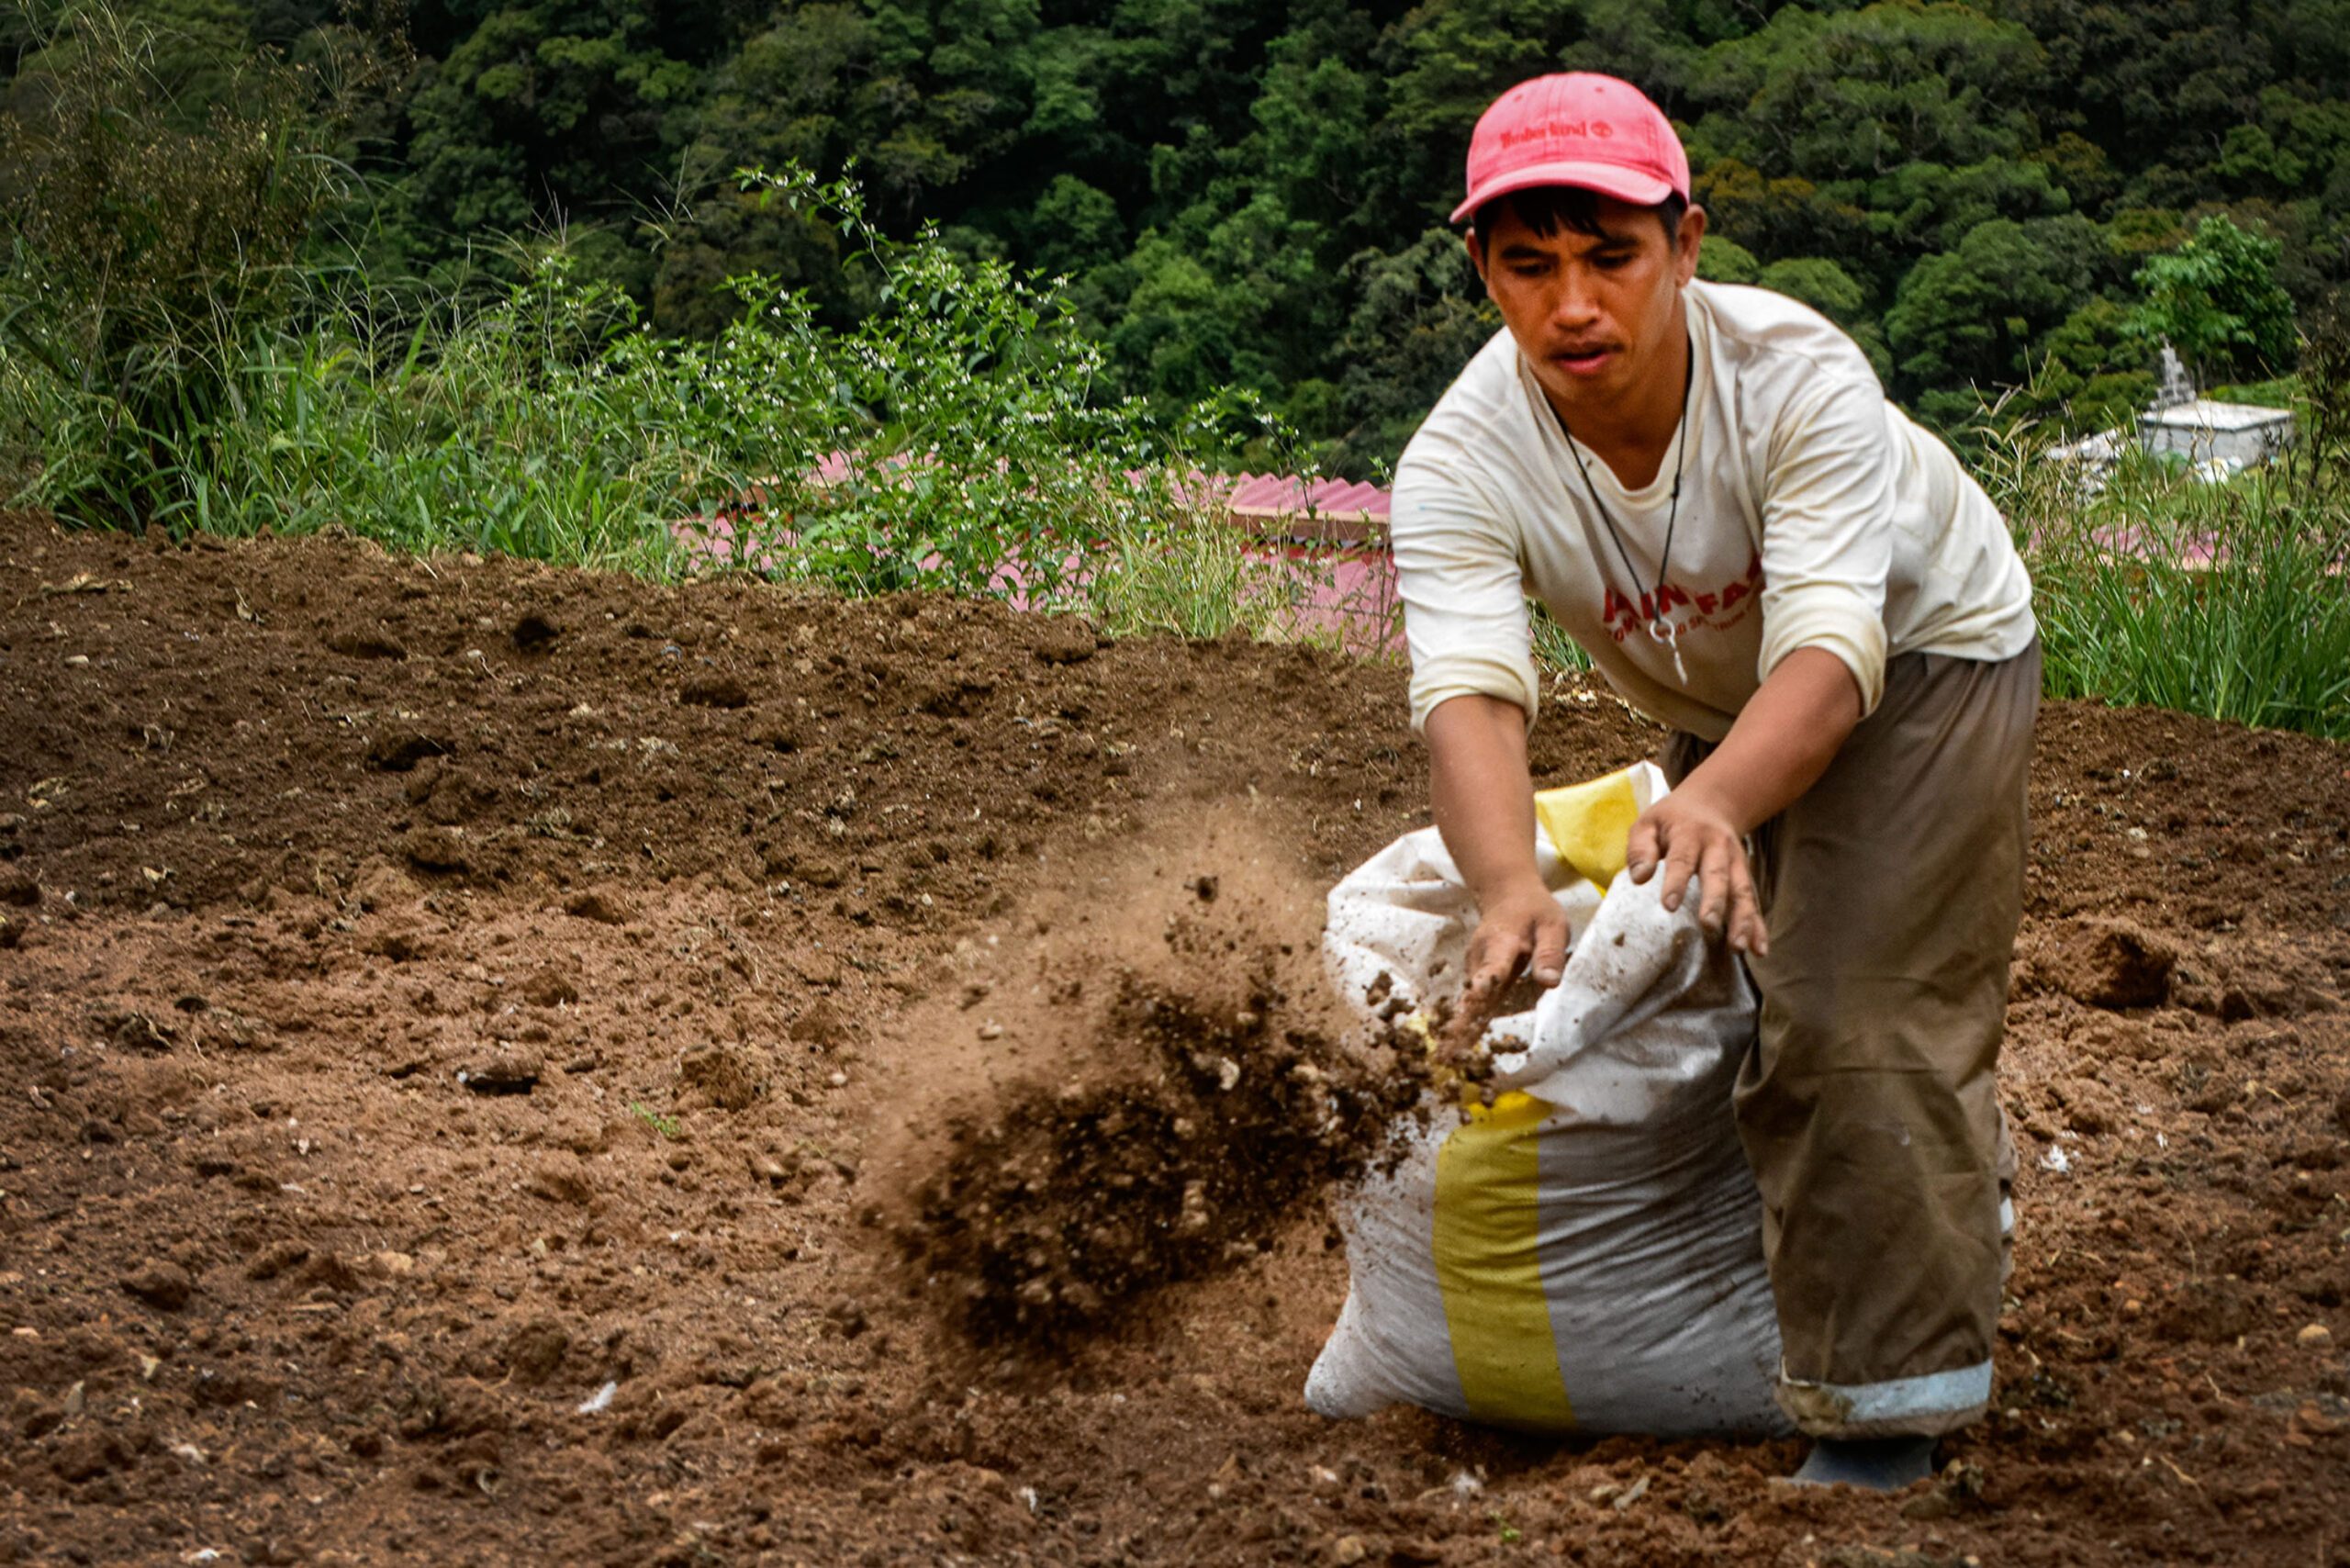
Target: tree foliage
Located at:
point(1254, 193)
point(2216, 299)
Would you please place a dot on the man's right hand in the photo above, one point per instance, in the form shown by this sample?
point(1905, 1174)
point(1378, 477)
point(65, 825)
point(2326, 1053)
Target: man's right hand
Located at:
point(1522, 929)
point(1484, 807)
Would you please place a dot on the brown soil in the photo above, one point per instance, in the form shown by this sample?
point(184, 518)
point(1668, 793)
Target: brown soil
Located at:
point(432, 992)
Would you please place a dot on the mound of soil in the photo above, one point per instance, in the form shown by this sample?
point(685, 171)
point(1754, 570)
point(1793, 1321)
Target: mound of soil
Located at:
point(463, 1026)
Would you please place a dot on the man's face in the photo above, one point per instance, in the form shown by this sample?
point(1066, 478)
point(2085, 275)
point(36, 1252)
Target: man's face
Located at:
point(1594, 315)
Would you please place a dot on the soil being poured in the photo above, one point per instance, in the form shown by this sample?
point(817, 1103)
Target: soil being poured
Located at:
point(1061, 1211)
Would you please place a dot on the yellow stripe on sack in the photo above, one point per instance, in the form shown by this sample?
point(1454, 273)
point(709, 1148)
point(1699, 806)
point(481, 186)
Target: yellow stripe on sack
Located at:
point(1487, 1227)
point(1588, 825)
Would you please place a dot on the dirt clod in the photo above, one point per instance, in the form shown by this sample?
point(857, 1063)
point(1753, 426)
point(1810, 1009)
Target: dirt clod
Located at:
point(821, 1024)
point(398, 751)
point(512, 1072)
point(596, 905)
point(365, 643)
point(533, 632)
point(714, 691)
point(721, 1076)
point(535, 1350)
point(2112, 964)
point(277, 1258)
point(549, 986)
point(160, 1283)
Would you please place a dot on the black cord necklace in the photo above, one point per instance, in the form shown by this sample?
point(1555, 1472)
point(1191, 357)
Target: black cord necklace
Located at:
point(1659, 629)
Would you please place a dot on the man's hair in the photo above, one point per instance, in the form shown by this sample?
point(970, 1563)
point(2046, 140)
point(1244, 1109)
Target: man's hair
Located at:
point(1545, 209)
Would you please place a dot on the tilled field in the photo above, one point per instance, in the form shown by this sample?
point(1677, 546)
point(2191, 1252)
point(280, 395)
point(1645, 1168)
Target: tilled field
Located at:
point(479, 1046)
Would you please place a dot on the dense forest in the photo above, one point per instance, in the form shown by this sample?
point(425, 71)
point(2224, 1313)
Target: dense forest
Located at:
point(2018, 193)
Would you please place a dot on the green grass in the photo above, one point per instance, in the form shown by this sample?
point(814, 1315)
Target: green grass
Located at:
point(2228, 601)
point(1553, 650)
point(667, 1127)
point(1192, 575)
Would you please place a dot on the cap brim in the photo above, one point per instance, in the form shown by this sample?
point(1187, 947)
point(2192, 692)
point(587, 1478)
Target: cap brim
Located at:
point(1608, 179)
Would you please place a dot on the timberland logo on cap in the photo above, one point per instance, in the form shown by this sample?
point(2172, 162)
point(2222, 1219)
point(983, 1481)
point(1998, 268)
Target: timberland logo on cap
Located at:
point(1557, 129)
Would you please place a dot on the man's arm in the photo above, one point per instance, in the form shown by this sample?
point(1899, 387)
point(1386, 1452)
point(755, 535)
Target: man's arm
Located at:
point(1784, 740)
point(1484, 797)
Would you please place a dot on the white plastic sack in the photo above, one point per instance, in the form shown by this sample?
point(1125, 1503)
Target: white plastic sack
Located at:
point(1586, 1253)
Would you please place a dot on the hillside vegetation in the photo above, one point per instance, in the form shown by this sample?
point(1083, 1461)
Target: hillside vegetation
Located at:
point(411, 278)
point(1253, 194)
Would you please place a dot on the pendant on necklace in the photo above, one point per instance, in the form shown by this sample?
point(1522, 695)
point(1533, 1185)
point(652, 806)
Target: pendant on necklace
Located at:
point(1662, 631)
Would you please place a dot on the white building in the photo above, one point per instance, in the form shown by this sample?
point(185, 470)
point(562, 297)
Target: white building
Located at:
point(2215, 438)
point(2238, 435)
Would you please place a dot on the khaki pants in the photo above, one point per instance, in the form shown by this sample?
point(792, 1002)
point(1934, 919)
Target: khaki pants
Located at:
point(1892, 890)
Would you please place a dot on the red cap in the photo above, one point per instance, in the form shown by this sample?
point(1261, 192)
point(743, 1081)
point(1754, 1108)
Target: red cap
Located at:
point(1580, 129)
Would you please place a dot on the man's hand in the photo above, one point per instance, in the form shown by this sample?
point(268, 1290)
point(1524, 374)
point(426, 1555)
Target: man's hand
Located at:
point(1522, 928)
point(1784, 740)
point(1484, 808)
point(1687, 834)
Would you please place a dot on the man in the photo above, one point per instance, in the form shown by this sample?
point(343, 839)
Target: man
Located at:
point(1707, 488)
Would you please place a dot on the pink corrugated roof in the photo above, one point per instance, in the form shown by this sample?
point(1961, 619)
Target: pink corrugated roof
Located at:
point(1264, 497)
point(1287, 495)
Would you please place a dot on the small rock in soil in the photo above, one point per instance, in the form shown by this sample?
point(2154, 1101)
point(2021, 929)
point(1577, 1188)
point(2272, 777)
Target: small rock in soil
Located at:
point(160, 1283)
point(23, 892)
point(2315, 1335)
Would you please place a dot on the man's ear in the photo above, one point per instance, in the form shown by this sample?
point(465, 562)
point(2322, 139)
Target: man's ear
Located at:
point(1685, 242)
point(1477, 258)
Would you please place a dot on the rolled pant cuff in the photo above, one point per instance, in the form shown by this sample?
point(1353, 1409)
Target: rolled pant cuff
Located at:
point(1922, 1406)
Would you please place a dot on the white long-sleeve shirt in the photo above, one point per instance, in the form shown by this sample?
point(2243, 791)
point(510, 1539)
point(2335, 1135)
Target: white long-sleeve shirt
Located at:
point(1813, 514)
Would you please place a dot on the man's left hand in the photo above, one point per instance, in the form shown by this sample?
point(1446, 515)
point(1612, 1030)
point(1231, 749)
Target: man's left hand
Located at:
point(1686, 835)
point(1784, 740)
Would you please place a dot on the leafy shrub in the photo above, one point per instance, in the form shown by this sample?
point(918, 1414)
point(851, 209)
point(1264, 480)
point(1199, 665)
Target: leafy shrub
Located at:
point(954, 438)
point(147, 244)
